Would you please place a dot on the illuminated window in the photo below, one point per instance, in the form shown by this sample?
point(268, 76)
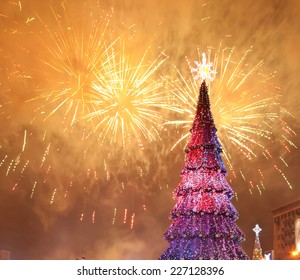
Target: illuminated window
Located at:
point(297, 234)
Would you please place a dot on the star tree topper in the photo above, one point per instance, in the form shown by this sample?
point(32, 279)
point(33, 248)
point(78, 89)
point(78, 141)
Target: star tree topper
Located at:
point(203, 70)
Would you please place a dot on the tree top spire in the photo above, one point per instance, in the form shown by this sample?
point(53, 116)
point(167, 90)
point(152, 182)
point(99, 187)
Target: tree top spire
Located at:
point(257, 229)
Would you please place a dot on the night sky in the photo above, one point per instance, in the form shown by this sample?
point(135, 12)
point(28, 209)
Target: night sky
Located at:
point(66, 195)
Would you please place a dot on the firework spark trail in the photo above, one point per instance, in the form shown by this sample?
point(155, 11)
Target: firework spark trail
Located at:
point(69, 188)
point(3, 160)
point(74, 52)
point(46, 153)
point(33, 189)
point(284, 176)
point(25, 166)
point(246, 108)
point(128, 97)
point(53, 196)
point(93, 216)
point(132, 221)
point(114, 217)
point(125, 216)
point(17, 162)
point(81, 216)
point(24, 142)
point(9, 167)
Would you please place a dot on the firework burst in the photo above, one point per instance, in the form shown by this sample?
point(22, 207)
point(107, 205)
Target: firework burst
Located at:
point(129, 97)
point(74, 47)
point(246, 105)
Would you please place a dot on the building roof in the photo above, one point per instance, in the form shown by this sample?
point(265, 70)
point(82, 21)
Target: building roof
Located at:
point(293, 205)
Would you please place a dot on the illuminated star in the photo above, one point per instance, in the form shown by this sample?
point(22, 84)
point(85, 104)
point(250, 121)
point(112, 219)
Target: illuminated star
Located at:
point(204, 70)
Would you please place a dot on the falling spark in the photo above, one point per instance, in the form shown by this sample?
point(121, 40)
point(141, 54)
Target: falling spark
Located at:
point(15, 185)
point(44, 135)
point(9, 167)
point(81, 216)
point(67, 191)
point(46, 153)
point(48, 169)
point(259, 190)
point(243, 175)
point(125, 216)
point(95, 175)
point(114, 217)
point(3, 160)
point(289, 141)
point(53, 196)
point(93, 216)
point(285, 163)
point(283, 175)
point(17, 162)
point(24, 167)
point(33, 190)
point(47, 172)
point(132, 221)
point(30, 20)
point(24, 141)
point(141, 171)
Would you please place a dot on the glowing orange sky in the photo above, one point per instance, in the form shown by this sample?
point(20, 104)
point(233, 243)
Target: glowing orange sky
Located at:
point(141, 177)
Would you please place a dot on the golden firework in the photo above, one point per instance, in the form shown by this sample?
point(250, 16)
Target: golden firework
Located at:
point(74, 47)
point(128, 97)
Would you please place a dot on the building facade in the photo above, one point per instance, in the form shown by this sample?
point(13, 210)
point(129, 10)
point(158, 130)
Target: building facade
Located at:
point(286, 231)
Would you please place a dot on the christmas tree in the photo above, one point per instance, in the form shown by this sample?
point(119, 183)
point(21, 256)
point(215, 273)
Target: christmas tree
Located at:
point(257, 251)
point(203, 219)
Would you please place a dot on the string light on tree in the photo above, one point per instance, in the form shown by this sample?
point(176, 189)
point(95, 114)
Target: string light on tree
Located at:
point(203, 219)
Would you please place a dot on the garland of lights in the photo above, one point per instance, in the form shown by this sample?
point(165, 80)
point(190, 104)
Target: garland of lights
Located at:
point(203, 218)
